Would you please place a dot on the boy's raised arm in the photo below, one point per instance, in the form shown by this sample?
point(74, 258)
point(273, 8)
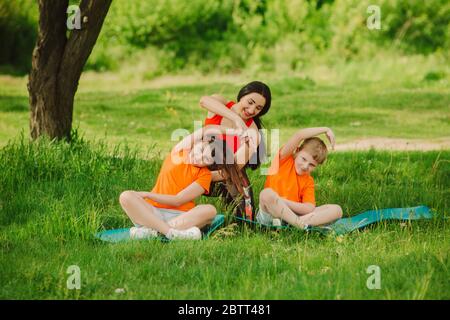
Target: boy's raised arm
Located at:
point(303, 134)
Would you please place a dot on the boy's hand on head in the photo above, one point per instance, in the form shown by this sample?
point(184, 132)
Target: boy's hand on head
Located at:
point(330, 135)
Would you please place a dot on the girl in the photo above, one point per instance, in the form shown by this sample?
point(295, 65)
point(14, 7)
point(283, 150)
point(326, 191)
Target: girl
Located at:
point(185, 175)
point(254, 101)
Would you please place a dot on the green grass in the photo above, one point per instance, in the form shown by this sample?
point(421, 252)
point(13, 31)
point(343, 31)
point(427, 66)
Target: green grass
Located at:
point(146, 117)
point(54, 197)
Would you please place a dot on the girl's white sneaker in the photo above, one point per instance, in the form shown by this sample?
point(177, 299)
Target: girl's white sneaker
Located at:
point(193, 233)
point(142, 233)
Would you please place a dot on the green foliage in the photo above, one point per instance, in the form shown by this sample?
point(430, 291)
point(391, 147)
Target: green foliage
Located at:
point(418, 26)
point(434, 76)
point(18, 31)
point(230, 35)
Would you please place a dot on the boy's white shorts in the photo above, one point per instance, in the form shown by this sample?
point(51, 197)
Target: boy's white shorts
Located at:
point(264, 217)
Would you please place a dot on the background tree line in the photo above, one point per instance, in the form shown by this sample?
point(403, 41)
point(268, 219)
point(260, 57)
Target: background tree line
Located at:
point(231, 35)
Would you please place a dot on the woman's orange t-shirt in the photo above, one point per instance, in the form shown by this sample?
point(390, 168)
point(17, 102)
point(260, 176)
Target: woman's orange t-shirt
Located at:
point(174, 177)
point(287, 183)
point(231, 140)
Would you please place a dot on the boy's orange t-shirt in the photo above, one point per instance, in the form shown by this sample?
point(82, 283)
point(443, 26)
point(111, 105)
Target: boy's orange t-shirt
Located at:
point(287, 183)
point(174, 177)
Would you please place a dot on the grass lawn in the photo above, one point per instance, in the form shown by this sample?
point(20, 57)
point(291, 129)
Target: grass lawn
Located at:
point(146, 117)
point(54, 197)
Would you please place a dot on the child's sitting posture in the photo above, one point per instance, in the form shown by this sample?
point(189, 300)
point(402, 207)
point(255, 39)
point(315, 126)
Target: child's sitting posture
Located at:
point(289, 189)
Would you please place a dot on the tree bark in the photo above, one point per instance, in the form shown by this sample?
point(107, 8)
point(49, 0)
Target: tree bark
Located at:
point(57, 63)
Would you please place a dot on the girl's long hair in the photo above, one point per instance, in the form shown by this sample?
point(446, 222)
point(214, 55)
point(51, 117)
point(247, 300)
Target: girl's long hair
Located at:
point(224, 162)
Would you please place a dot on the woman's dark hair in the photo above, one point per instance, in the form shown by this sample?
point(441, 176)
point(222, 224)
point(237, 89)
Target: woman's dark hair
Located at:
point(264, 90)
point(224, 161)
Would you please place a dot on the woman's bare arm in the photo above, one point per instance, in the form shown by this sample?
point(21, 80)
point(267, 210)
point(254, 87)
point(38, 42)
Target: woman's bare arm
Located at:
point(219, 98)
point(217, 106)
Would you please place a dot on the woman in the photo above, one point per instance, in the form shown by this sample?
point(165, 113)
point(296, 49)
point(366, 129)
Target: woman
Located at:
point(253, 102)
point(169, 209)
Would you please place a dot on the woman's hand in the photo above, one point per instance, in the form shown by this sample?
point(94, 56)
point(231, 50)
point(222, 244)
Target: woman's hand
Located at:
point(240, 125)
point(252, 142)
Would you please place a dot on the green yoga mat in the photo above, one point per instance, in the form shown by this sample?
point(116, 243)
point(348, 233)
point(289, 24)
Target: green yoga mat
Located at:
point(121, 235)
point(359, 221)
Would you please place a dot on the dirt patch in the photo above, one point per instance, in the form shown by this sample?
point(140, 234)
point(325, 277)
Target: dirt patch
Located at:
point(395, 144)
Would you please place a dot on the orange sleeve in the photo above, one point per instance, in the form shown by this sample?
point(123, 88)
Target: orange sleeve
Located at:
point(276, 163)
point(285, 159)
point(308, 192)
point(204, 179)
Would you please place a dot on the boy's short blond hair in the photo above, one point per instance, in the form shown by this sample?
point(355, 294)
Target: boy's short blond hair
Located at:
point(316, 148)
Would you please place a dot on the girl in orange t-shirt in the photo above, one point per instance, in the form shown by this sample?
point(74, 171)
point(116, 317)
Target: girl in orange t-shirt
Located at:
point(185, 175)
point(254, 101)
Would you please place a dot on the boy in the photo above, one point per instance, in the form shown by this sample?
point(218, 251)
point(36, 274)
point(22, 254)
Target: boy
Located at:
point(288, 193)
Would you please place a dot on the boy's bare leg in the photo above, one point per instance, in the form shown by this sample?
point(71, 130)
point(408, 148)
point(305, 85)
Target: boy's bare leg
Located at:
point(141, 212)
point(322, 215)
point(273, 204)
point(200, 216)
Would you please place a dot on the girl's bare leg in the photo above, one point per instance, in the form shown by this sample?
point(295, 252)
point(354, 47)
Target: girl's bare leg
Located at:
point(141, 212)
point(200, 216)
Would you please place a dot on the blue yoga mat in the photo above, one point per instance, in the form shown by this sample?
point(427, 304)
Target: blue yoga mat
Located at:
point(121, 235)
point(346, 225)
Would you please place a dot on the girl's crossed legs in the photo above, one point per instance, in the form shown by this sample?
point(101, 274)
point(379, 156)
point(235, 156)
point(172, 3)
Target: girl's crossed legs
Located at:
point(143, 213)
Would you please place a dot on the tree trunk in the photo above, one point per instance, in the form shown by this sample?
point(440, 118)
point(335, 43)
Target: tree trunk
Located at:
point(57, 64)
